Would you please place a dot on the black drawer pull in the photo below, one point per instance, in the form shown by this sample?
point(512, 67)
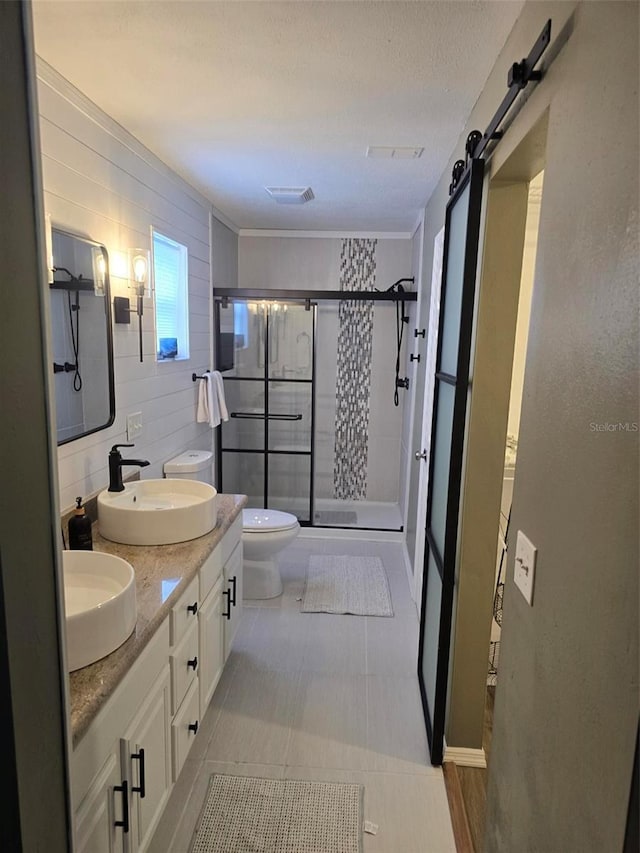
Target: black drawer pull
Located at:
point(141, 789)
point(193, 608)
point(124, 823)
point(193, 663)
point(193, 727)
point(234, 585)
point(227, 612)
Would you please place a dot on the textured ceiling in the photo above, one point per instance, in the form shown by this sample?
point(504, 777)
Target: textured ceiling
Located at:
point(237, 96)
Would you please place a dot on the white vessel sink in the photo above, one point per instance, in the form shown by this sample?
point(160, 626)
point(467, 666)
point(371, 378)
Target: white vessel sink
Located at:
point(100, 605)
point(157, 512)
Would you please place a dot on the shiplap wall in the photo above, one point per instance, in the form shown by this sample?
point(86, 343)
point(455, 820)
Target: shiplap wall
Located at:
point(101, 183)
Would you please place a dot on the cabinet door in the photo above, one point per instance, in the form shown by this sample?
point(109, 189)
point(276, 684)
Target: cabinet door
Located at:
point(211, 645)
point(102, 806)
point(146, 759)
point(232, 597)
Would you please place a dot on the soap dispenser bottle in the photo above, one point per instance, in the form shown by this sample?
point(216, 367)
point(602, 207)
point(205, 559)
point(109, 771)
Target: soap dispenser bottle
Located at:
point(80, 529)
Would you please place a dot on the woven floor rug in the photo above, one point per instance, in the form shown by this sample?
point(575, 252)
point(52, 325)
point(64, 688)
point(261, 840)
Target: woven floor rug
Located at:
point(242, 814)
point(346, 584)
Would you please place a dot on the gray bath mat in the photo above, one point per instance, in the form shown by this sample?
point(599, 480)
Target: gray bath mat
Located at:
point(346, 584)
point(336, 517)
point(242, 814)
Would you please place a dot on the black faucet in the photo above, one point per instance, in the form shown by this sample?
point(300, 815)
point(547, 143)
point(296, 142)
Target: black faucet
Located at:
point(115, 467)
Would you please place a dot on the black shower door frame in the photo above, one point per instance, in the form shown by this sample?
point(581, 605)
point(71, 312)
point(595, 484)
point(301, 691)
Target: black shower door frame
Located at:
point(265, 452)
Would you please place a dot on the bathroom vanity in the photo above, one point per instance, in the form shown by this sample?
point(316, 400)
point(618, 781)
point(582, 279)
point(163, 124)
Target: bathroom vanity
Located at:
point(136, 713)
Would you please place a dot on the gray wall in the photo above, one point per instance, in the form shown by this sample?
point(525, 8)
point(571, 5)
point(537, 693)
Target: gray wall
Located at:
point(34, 809)
point(567, 696)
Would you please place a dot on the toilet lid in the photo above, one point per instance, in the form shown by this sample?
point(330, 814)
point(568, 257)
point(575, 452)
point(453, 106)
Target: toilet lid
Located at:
point(254, 520)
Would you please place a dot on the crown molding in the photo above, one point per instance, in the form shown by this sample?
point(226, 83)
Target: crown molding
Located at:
point(327, 235)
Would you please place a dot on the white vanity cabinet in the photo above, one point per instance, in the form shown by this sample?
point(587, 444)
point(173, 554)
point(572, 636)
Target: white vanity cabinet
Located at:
point(125, 765)
point(211, 630)
point(184, 662)
point(145, 755)
point(232, 586)
point(125, 748)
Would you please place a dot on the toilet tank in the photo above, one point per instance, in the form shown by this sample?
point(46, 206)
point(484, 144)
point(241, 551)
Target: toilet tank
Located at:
point(191, 465)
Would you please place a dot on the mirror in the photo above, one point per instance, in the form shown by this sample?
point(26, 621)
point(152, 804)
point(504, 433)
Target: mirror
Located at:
point(81, 339)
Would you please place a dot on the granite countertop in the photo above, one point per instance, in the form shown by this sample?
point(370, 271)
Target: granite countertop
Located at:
point(162, 573)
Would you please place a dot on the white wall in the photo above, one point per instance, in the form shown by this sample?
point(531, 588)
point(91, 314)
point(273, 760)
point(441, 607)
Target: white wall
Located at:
point(313, 263)
point(101, 183)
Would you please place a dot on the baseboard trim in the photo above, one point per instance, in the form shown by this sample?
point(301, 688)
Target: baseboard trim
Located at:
point(465, 757)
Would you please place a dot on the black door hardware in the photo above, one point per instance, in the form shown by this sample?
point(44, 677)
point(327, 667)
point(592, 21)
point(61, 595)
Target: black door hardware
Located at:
point(124, 789)
point(193, 727)
point(227, 613)
point(193, 608)
point(193, 663)
point(234, 586)
point(141, 788)
point(419, 334)
point(413, 357)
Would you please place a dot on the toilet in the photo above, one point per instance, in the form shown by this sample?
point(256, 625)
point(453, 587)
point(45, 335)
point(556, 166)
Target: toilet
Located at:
point(265, 532)
point(191, 465)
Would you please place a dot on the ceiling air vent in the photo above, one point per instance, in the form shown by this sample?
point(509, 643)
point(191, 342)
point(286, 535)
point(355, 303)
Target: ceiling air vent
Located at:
point(391, 152)
point(290, 195)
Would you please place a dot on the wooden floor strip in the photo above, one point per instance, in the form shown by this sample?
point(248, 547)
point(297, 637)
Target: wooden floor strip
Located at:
point(459, 820)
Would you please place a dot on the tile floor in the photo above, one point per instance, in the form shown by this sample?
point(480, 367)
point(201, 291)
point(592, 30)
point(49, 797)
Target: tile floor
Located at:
point(323, 697)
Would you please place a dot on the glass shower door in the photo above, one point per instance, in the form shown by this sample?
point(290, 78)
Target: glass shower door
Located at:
point(290, 396)
point(266, 353)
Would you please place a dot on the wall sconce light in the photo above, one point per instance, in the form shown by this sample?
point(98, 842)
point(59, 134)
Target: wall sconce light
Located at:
point(138, 275)
point(48, 237)
point(99, 271)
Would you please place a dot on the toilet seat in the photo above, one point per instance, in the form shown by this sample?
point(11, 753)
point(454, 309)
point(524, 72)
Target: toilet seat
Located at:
point(267, 520)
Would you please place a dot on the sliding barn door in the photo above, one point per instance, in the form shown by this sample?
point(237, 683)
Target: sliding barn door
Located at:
point(462, 232)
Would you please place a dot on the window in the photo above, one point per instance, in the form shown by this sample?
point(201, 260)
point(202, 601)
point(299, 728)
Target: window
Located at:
point(241, 325)
point(171, 298)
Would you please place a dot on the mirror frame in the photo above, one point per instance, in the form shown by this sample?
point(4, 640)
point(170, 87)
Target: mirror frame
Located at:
point(109, 322)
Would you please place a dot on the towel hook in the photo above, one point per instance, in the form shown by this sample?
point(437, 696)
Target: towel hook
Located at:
point(195, 376)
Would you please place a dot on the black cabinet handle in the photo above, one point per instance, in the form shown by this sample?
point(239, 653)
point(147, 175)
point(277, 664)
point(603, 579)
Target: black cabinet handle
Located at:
point(193, 663)
point(124, 788)
point(234, 585)
point(193, 608)
point(141, 789)
point(193, 727)
point(227, 612)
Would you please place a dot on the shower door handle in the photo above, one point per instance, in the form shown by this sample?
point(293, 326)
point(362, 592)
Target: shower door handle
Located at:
point(422, 455)
point(261, 416)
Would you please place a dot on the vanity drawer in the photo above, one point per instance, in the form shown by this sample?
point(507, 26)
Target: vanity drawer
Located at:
point(185, 612)
point(184, 728)
point(183, 661)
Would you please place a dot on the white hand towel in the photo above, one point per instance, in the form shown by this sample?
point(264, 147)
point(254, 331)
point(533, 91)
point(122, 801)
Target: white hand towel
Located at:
point(211, 408)
point(219, 386)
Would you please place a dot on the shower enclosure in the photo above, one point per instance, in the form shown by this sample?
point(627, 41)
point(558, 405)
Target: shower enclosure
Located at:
point(266, 353)
point(309, 385)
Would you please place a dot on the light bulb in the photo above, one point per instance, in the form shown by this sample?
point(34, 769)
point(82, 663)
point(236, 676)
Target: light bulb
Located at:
point(139, 269)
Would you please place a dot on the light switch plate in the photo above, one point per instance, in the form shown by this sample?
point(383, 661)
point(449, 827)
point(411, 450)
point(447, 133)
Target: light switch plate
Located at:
point(525, 566)
point(134, 425)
